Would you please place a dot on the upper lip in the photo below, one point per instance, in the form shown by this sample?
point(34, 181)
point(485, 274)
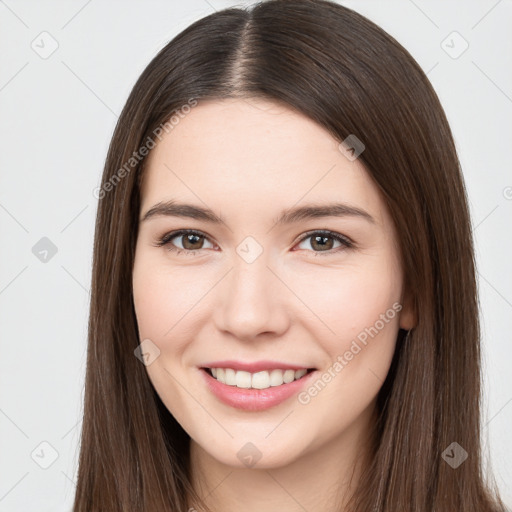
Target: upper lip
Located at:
point(256, 366)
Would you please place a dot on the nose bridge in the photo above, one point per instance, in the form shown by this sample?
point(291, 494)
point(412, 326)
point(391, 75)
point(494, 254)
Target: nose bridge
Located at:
point(251, 298)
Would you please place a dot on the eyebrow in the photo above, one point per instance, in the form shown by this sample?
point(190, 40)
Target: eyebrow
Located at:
point(288, 216)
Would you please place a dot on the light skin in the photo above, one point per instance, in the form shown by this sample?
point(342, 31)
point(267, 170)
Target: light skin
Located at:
point(299, 301)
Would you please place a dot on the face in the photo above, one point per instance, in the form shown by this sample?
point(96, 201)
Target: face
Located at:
point(253, 284)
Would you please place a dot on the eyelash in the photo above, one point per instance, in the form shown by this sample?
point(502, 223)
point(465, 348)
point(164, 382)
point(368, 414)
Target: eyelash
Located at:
point(345, 241)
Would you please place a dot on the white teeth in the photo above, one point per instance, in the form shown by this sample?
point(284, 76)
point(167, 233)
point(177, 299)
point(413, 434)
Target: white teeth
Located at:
point(229, 377)
point(300, 373)
point(261, 380)
point(276, 377)
point(289, 376)
point(258, 380)
point(242, 379)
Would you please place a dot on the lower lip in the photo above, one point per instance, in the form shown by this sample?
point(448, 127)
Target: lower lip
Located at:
point(255, 399)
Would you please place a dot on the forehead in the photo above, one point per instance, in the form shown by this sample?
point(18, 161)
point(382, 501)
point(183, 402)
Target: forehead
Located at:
point(247, 155)
point(241, 129)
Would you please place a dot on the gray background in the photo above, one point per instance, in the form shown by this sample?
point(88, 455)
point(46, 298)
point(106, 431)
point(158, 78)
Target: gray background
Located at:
point(58, 112)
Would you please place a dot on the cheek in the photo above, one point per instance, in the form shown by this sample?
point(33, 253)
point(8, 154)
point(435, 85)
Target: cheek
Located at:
point(348, 299)
point(161, 302)
point(156, 308)
point(150, 300)
point(359, 309)
point(164, 297)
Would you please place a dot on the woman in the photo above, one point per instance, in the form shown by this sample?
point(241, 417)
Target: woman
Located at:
point(284, 311)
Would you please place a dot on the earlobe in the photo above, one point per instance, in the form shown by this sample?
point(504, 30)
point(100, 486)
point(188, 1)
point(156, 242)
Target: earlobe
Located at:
point(408, 317)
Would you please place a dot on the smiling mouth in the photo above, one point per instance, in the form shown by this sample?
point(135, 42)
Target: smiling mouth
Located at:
point(258, 380)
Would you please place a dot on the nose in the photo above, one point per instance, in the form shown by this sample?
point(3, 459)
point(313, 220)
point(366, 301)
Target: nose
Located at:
point(252, 301)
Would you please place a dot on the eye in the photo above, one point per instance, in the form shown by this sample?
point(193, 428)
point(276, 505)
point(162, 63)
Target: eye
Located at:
point(190, 241)
point(320, 240)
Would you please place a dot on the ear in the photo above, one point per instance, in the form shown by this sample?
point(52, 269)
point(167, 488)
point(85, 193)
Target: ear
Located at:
point(408, 316)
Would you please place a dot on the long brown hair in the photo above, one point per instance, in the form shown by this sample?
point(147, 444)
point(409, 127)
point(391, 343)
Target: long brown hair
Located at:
point(351, 77)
